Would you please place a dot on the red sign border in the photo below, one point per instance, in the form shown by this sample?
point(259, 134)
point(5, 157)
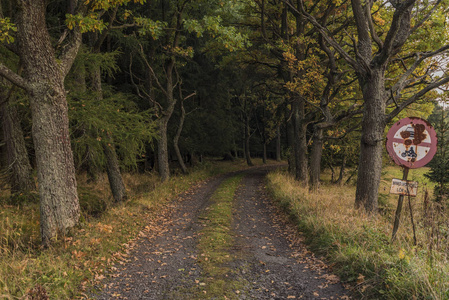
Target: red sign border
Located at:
point(409, 164)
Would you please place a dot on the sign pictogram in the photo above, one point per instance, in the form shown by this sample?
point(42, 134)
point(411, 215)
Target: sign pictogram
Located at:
point(411, 142)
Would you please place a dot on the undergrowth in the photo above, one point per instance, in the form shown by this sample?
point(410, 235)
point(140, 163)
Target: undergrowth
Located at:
point(81, 259)
point(358, 246)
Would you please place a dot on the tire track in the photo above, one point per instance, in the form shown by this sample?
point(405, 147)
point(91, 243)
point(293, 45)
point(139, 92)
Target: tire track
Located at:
point(273, 266)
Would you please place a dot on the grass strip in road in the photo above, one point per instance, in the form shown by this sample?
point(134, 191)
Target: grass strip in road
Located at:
point(215, 241)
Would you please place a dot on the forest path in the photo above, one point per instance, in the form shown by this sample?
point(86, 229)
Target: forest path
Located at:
point(267, 260)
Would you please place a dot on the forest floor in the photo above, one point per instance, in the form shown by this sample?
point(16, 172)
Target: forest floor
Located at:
point(265, 256)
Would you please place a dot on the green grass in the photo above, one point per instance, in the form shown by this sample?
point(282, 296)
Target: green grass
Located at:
point(215, 242)
point(358, 245)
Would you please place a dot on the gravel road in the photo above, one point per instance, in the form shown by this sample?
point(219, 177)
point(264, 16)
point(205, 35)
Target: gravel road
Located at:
point(269, 256)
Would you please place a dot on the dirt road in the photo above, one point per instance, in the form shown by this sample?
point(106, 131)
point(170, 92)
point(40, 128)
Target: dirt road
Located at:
point(268, 258)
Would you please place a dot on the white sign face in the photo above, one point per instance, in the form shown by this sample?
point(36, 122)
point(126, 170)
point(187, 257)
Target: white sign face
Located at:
point(404, 187)
point(405, 152)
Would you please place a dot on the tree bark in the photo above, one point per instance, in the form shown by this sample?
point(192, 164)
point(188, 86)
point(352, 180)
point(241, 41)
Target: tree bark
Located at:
point(290, 143)
point(342, 171)
point(19, 167)
point(373, 126)
point(247, 138)
point(300, 141)
point(114, 176)
point(176, 138)
point(162, 150)
point(315, 158)
point(278, 143)
point(264, 159)
point(59, 207)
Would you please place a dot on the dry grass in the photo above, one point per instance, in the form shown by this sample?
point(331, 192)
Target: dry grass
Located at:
point(358, 245)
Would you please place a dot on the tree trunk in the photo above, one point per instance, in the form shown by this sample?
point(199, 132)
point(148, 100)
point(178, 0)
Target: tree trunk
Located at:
point(247, 138)
point(315, 157)
point(176, 138)
point(244, 142)
point(278, 143)
point(114, 176)
point(300, 141)
point(19, 167)
point(162, 150)
point(290, 143)
point(342, 171)
point(60, 209)
point(371, 146)
point(264, 153)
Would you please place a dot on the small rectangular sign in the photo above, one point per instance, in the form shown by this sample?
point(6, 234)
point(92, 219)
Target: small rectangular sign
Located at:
point(404, 187)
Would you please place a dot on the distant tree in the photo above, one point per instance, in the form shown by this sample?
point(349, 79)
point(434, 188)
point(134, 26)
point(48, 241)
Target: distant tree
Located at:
point(439, 166)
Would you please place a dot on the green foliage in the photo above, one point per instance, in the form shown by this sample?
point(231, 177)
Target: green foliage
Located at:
point(113, 120)
point(85, 23)
point(148, 26)
point(7, 30)
point(91, 21)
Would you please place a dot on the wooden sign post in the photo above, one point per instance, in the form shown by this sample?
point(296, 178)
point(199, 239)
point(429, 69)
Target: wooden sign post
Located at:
point(411, 143)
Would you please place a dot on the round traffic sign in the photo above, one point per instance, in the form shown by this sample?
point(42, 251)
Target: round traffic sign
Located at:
point(411, 142)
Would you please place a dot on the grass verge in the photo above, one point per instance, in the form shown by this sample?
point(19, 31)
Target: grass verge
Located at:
point(77, 261)
point(358, 246)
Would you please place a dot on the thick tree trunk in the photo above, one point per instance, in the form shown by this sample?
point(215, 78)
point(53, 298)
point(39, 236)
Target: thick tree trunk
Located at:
point(60, 209)
point(278, 143)
point(19, 167)
point(300, 141)
point(315, 157)
point(371, 146)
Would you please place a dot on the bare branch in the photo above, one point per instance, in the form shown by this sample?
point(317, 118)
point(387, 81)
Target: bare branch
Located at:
point(426, 17)
point(139, 90)
point(142, 55)
point(417, 96)
point(420, 57)
point(325, 33)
